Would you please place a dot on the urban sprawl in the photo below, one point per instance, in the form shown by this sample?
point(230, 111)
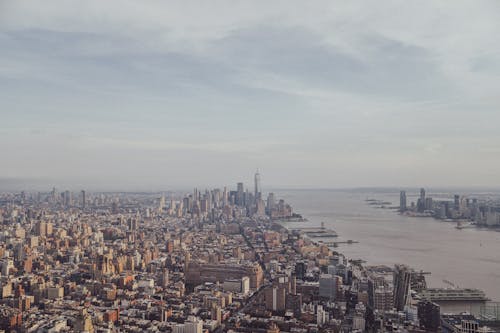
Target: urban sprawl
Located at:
point(209, 261)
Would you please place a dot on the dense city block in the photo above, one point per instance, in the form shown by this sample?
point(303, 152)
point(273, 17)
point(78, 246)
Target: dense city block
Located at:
point(208, 261)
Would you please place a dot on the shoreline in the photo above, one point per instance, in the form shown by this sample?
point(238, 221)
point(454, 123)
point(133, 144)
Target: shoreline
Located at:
point(361, 261)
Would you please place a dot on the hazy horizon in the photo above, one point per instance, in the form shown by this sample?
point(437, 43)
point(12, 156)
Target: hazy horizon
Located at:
point(327, 94)
point(17, 185)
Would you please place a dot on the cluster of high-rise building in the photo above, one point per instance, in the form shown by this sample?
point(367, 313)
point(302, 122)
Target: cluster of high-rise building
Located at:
point(230, 203)
point(484, 212)
point(212, 261)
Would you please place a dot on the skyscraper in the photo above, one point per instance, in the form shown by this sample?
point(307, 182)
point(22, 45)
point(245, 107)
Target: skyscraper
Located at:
point(239, 194)
point(456, 202)
point(421, 201)
point(401, 280)
point(83, 198)
point(224, 197)
point(270, 203)
point(327, 286)
point(161, 204)
point(402, 201)
point(67, 199)
point(300, 270)
point(257, 193)
point(275, 298)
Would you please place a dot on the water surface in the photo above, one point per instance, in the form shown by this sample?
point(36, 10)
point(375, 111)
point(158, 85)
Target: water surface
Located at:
point(467, 257)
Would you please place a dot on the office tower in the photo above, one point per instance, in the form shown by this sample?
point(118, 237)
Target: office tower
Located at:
point(456, 202)
point(257, 190)
point(382, 298)
point(239, 194)
point(327, 286)
point(475, 210)
point(204, 205)
point(67, 199)
point(270, 203)
point(53, 195)
point(294, 303)
point(208, 197)
point(300, 270)
point(187, 203)
point(441, 213)
point(224, 197)
point(248, 199)
point(421, 201)
point(401, 280)
point(422, 194)
point(83, 199)
point(232, 197)
point(260, 208)
point(429, 316)
point(402, 201)
point(196, 208)
point(447, 209)
point(428, 204)
point(275, 298)
point(161, 204)
point(216, 198)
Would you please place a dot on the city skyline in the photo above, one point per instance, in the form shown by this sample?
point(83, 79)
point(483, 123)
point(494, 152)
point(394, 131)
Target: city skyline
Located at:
point(327, 95)
point(229, 166)
point(91, 261)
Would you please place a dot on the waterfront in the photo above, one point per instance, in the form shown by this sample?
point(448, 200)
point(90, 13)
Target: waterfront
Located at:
point(467, 257)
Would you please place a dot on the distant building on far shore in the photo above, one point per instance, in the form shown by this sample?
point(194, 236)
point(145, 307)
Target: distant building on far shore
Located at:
point(402, 201)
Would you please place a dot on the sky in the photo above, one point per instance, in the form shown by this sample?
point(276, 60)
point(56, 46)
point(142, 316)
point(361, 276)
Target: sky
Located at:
point(163, 94)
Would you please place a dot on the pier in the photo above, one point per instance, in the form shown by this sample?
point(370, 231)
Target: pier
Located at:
point(335, 244)
point(316, 232)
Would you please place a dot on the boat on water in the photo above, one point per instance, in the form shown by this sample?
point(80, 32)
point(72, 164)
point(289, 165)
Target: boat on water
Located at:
point(462, 225)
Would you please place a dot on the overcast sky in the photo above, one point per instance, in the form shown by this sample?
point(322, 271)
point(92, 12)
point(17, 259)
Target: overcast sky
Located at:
point(158, 94)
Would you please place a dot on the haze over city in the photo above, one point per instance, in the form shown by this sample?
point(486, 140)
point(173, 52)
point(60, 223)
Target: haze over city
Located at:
point(249, 166)
point(152, 95)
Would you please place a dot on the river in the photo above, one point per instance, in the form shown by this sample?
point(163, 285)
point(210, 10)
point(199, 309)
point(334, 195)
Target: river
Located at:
point(469, 258)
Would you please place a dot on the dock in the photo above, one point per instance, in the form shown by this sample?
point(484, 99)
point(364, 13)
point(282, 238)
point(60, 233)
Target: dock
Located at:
point(316, 232)
point(335, 244)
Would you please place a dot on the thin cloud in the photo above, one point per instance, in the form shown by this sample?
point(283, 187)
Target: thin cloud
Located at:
point(315, 93)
